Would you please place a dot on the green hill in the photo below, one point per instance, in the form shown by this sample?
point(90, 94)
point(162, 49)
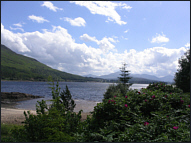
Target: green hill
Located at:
point(18, 67)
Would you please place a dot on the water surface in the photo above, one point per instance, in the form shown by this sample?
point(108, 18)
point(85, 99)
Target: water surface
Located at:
point(85, 94)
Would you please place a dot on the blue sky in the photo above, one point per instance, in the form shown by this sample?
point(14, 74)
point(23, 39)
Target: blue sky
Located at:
point(96, 37)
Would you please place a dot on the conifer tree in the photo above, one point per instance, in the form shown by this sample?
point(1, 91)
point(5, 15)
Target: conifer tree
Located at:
point(124, 74)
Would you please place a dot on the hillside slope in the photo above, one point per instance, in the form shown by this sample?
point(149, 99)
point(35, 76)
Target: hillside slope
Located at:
point(18, 67)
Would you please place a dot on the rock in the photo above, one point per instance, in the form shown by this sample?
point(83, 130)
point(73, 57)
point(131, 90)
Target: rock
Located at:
point(17, 96)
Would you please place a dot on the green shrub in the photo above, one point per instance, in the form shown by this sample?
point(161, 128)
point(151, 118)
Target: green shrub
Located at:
point(163, 87)
point(116, 90)
point(145, 116)
point(51, 124)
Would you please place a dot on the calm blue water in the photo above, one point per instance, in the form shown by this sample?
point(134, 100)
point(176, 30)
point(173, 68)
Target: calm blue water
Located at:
point(82, 92)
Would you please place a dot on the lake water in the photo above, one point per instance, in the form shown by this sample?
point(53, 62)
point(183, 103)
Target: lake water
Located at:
point(85, 94)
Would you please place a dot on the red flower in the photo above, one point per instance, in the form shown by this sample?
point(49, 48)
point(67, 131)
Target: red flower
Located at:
point(139, 92)
point(126, 105)
point(166, 96)
point(153, 96)
point(189, 106)
point(109, 101)
point(167, 116)
point(146, 123)
point(114, 96)
point(125, 96)
point(145, 100)
point(175, 128)
point(170, 93)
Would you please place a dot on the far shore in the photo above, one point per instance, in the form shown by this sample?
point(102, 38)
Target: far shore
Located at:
point(55, 81)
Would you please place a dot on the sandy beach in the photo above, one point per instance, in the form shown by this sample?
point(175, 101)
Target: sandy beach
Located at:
point(11, 115)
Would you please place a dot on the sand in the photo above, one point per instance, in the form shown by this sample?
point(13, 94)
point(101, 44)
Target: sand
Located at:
point(11, 115)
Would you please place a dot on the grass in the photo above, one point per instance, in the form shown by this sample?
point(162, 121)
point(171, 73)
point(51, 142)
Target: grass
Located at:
point(6, 134)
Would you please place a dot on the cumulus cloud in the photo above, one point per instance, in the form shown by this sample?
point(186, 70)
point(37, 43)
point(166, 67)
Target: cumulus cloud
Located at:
point(57, 48)
point(87, 38)
point(12, 40)
point(105, 8)
point(79, 21)
point(187, 45)
point(105, 44)
point(50, 5)
point(38, 19)
point(159, 38)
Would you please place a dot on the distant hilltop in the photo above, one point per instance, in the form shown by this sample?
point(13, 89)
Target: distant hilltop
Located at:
point(137, 77)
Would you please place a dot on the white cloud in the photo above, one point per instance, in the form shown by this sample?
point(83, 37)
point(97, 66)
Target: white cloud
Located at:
point(17, 29)
point(187, 45)
point(38, 19)
point(126, 31)
point(13, 41)
point(104, 44)
point(88, 38)
point(159, 38)
point(105, 8)
point(49, 5)
point(59, 50)
point(18, 24)
point(124, 38)
point(79, 21)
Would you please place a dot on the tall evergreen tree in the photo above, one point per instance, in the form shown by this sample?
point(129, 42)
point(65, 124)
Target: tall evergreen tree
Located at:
point(124, 74)
point(182, 77)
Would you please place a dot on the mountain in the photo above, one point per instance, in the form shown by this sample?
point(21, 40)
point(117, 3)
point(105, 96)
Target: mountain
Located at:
point(90, 75)
point(113, 77)
point(137, 77)
point(168, 78)
point(18, 67)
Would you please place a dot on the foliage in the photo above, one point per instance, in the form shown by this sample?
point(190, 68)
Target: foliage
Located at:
point(145, 116)
point(164, 88)
point(154, 114)
point(124, 74)
point(51, 124)
point(182, 76)
point(114, 90)
point(67, 100)
point(120, 88)
point(6, 132)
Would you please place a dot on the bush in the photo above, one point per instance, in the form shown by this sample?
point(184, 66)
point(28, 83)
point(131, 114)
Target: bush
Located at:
point(53, 124)
point(116, 90)
point(151, 116)
point(164, 88)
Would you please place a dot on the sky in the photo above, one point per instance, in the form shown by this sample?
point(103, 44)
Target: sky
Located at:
point(96, 37)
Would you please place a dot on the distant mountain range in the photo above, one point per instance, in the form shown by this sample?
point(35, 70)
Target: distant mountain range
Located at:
point(114, 76)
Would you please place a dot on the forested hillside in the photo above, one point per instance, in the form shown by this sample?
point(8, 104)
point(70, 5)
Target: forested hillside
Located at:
point(18, 67)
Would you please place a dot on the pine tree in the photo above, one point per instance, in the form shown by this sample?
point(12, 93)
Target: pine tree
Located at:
point(67, 100)
point(124, 74)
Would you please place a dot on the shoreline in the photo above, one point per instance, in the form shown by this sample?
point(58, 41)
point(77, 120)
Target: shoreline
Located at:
point(12, 115)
